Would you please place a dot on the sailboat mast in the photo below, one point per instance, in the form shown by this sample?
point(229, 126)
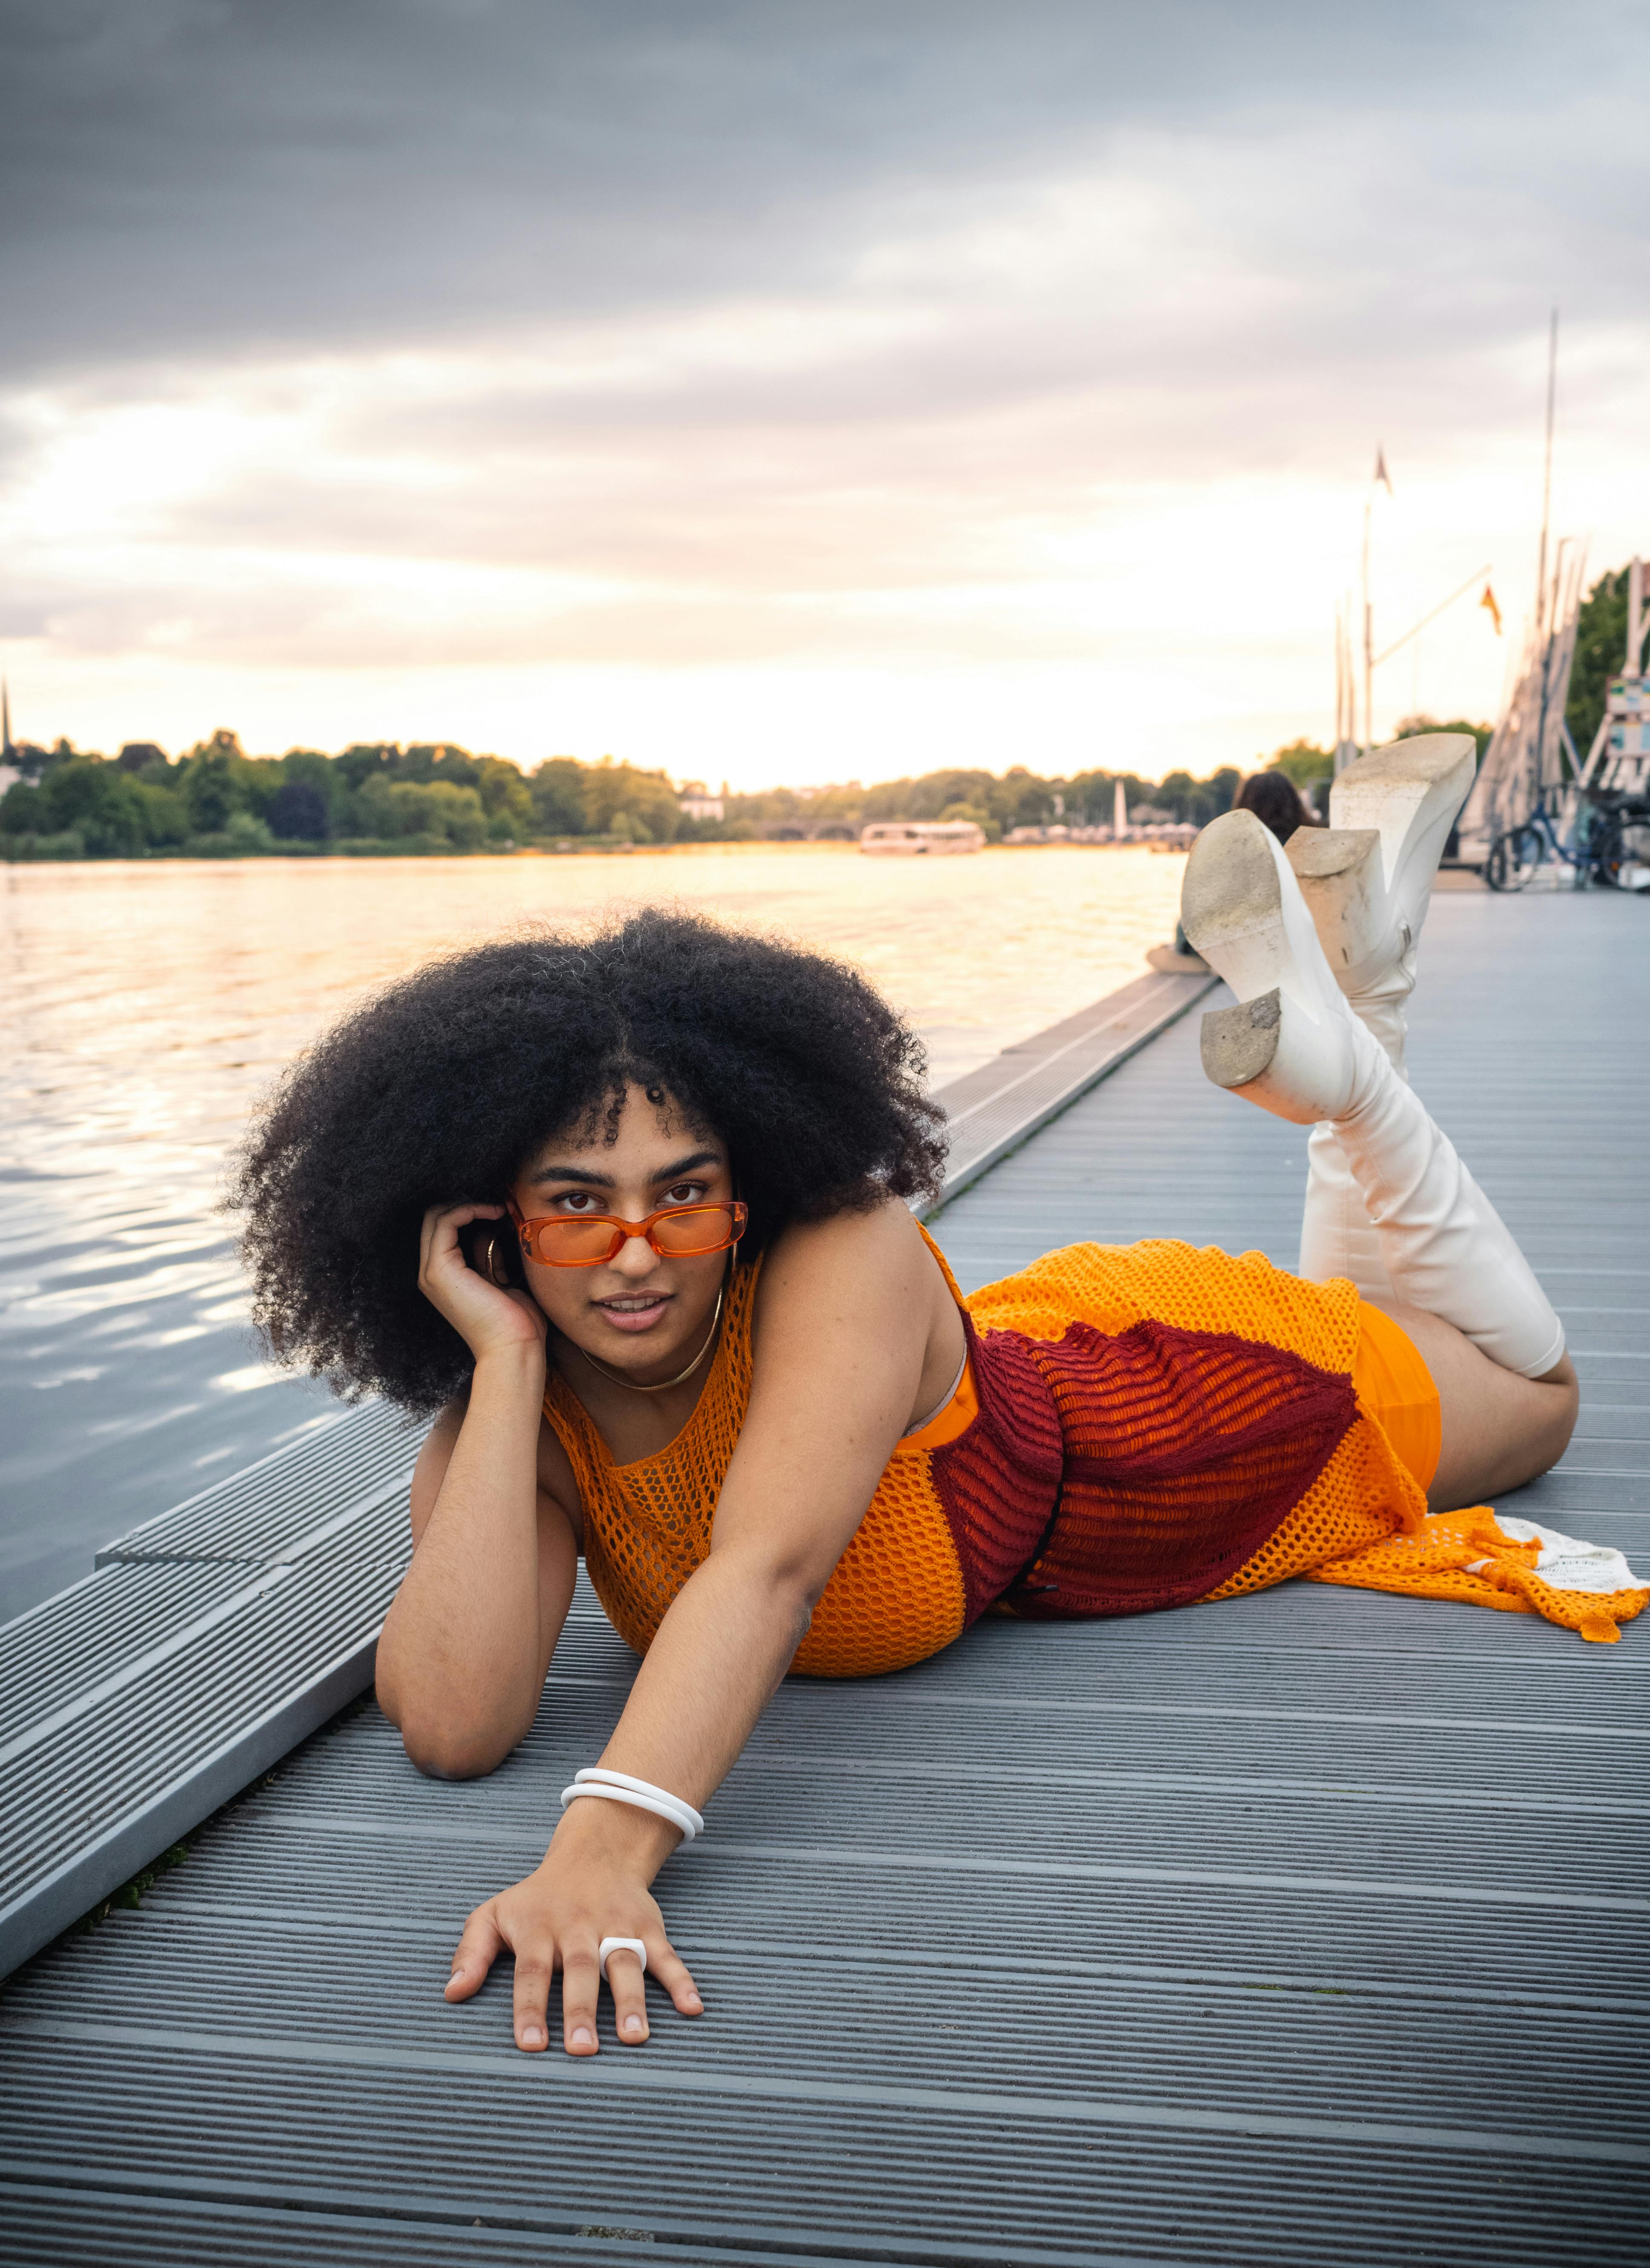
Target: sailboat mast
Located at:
point(1369, 633)
point(1546, 478)
point(1546, 602)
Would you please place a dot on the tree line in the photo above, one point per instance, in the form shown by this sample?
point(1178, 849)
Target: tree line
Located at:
point(378, 799)
point(215, 800)
point(381, 799)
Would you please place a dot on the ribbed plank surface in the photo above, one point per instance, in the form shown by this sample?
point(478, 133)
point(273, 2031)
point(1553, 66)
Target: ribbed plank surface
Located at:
point(990, 1112)
point(1313, 1926)
point(340, 1491)
point(136, 1701)
point(96, 1630)
point(93, 1790)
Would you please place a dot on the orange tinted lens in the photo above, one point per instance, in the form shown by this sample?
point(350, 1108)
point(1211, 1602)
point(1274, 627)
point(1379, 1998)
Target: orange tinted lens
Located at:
point(560, 1241)
point(700, 1228)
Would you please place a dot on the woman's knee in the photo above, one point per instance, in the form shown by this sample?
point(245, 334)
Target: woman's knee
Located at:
point(445, 1755)
point(1500, 1430)
point(1561, 1393)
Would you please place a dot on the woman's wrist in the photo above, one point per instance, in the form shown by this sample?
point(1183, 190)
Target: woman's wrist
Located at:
point(513, 1366)
point(595, 1832)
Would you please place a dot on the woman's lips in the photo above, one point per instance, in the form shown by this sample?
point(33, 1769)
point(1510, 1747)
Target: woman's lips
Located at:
point(635, 1319)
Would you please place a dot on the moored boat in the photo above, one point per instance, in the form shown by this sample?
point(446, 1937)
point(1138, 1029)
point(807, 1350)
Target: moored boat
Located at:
point(914, 837)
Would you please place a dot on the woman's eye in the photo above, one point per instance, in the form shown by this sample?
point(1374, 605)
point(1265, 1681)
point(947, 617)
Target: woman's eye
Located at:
point(685, 1193)
point(578, 1201)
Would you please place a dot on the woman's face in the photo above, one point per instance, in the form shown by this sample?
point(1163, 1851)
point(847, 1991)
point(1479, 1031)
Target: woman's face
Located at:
point(638, 1313)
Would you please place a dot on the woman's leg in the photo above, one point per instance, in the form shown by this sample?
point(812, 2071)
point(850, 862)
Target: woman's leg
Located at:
point(1293, 1045)
point(1500, 1429)
point(1368, 882)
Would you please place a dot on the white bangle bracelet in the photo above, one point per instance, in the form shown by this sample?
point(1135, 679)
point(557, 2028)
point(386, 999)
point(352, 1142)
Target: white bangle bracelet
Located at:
point(620, 1787)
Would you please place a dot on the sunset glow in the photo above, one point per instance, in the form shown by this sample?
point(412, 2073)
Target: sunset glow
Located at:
point(1044, 441)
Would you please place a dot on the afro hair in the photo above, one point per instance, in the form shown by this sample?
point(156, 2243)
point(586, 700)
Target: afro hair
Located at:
point(438, 1090)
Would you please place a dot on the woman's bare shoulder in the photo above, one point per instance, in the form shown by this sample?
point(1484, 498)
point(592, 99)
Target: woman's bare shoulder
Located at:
point(881, 1237)
point(864, 1273)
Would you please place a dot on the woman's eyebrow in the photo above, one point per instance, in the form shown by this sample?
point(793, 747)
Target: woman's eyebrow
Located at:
point(671, 1172)
point(686, 1165)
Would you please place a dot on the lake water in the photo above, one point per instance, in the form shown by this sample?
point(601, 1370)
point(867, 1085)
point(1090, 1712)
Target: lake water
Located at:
point(144, 1006)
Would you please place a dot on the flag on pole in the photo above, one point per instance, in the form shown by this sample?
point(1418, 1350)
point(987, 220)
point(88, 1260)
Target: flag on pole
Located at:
point(1382, 473)
point(1488, 601)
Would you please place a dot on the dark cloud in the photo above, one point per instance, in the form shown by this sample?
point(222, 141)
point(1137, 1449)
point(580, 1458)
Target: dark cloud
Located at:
point(201, 177)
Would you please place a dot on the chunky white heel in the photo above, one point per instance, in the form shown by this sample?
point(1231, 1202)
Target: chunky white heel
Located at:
point(1293, 1046)
point(1291, 1042)
point(1367, 878)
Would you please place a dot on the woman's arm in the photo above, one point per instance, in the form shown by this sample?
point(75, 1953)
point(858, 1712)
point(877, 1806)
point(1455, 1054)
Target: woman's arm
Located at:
point(465, 1648)
point(853, 1318)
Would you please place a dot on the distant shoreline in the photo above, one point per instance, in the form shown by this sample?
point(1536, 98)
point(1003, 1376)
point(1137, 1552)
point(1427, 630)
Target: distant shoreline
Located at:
point(582, 847)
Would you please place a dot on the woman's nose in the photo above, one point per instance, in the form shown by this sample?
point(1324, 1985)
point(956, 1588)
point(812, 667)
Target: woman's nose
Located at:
point(636, 1256)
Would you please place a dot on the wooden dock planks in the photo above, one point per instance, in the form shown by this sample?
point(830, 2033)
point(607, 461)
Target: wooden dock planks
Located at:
point(1309, 1926)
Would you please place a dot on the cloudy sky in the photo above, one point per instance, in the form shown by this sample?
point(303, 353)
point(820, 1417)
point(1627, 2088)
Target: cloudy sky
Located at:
point(798, 391)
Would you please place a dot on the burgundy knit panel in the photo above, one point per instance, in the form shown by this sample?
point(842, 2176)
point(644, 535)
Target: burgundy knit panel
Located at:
point(1183, 1452)
point(999, 1482)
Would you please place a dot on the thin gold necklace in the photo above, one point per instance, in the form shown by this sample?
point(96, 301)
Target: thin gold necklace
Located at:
point(614, 1378)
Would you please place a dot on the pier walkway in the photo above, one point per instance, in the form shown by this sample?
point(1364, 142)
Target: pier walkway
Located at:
point(1306, 1927)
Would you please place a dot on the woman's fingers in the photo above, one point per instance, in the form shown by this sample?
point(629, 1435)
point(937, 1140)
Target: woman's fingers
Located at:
point(630, 1997)
point(480, 1310)
point(478, 1949)
point(486, 1935)
point(534, 1966)
point(580, 1980)
point(439, 1237)
point(665, 1963)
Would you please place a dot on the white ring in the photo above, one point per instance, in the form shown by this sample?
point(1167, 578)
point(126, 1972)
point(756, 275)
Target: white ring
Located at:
point(620, 1945)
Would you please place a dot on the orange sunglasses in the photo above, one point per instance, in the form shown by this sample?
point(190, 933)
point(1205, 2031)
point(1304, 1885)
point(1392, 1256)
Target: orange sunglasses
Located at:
point(587, 1240)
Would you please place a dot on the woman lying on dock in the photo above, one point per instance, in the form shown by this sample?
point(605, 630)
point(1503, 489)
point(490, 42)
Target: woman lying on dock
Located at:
point(632, 1213)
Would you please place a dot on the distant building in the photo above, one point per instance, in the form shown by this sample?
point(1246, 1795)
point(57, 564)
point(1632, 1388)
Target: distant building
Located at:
point(696, 804)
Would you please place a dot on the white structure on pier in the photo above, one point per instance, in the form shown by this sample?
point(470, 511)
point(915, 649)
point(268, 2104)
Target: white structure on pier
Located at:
point(1620, 754)
point(1526, 760)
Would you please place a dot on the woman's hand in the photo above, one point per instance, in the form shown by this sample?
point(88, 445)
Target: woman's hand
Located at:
point(488, 1316)
point(594, 1883)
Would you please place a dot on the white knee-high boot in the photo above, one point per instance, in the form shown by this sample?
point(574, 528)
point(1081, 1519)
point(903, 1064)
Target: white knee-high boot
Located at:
point(1337, 1237)
point(1367, 881)
point(1293, 1046)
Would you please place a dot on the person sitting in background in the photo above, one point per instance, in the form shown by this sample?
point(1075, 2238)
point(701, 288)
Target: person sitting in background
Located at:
point(1280, 807)
point(1277, 802)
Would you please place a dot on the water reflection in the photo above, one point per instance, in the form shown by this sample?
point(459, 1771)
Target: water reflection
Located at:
point(144, 1006)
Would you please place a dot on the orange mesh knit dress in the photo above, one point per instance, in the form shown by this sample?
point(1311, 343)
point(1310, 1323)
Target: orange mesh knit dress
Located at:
point(1136, 1427)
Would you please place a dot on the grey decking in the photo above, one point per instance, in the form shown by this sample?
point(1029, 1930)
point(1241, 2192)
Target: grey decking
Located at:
point(991, 1111)
point(134, 1703)
point(1305, 1928)
point(205, 1645)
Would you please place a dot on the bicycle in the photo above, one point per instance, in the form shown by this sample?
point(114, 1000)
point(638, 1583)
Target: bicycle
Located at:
point(1598, 852)
point(1620, 811)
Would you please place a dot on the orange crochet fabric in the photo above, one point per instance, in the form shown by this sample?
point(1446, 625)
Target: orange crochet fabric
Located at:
point(1363, 1494)
point(1137, 1426)
point(896, 1595)
point(1467, 1555)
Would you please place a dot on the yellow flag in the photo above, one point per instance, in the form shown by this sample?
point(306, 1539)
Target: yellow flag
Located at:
point(1488, 599)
